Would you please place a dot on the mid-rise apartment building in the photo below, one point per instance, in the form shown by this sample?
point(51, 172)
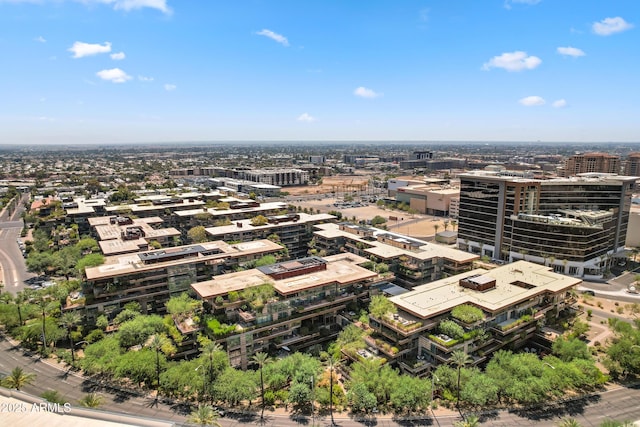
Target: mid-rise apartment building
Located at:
point(300, 304)
point(122, 234)
point(152, 277)
point(294, 230)
point(576, 224)
point(510, 301)
point(412, 261)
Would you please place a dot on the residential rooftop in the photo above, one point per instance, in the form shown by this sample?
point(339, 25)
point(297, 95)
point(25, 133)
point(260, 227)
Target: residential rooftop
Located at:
point(414, 248)
point(151, 260)
point(341, 269)
point(245, 224)
point(516, 282)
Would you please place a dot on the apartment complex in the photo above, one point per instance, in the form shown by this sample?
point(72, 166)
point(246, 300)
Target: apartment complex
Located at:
point(299, 303)
point(294, 230)
point(507, 303)
point(122, 234)
point(590, 163)
point(411, 260)
point(238, 210)
point(152, 277)
point(632, 165)
point(574, 224)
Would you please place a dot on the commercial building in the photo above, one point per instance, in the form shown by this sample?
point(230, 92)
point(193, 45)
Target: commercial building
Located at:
point(509, 302)
point(300, 304)
point(577, 225)
point(632, 165)
point(591, 163)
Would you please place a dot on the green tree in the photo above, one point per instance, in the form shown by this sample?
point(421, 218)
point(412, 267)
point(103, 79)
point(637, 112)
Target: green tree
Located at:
point(568, 349)
point(182, 304)
point(18, 378)
point(261, 359)
point(410, 394)
point(197, 234)
point(204, 415)
point(91, 260)
point(460, 359)
point(361, 399)
point(259, 220)
point(234, 386)
point(69, 321)
point(332, 363)
point(300, 394)
point(380, 306)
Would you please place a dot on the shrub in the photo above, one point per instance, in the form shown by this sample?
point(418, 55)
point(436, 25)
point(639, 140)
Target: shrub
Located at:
point(451, 328)
point(467, 313)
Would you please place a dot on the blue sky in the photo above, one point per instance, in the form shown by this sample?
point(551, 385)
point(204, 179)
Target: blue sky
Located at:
point(126, 71)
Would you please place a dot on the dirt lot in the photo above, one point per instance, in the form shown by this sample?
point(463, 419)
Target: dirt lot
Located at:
point(340, 183)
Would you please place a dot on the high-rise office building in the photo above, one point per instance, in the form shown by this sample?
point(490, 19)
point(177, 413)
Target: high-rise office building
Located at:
point(577, 225)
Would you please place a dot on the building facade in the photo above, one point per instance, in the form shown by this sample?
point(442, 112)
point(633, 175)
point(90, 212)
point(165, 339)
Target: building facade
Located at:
point(577, 225)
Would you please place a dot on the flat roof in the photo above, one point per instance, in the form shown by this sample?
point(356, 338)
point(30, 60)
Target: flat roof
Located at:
point(246, 224)
point(121, 265)
point(342, 270)
point(437, 297)
point(142, 208)
point(224, 212)
point(423, 250)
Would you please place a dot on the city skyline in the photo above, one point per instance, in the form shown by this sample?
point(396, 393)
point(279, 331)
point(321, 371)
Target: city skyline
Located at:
point(136, 71)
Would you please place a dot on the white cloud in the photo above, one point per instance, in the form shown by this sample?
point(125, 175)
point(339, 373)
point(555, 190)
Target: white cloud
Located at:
point(513, 61)
point(364, 92)
point(305, 117)
point(610, 26)
point(560, 103)
point(571, 51)
point(169, 87)
point(424, 14)
point(128, 5)
point(145, 79)
point(507, 3)
point(118, 56)
point(40, 39)
point(125, 5)
point(274, 36)
point(81, 49)
point(531, 101)
point(115, 75)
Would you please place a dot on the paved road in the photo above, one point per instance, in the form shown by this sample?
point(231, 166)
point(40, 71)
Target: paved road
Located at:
point(617, 404)
point(13, 271)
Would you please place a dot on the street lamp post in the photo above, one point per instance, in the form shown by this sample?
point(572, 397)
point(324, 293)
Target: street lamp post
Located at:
point(313, 398)
point(204, 371)
point(434, 378)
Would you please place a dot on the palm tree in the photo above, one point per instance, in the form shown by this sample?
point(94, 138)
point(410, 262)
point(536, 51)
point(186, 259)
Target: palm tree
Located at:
point(569, 422)
point(158, 343)
point(18, 378)
point(332, 362)
point(261, 359)
point(69, 321)
point(91, 400)
point(208, 351)
point(205, 415)
point(460, 359)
